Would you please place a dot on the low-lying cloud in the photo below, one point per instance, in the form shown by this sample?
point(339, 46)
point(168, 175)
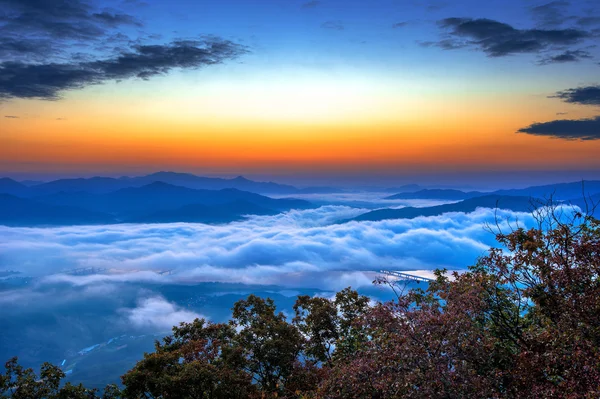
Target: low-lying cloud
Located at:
point(156, 313)
point(298, 248)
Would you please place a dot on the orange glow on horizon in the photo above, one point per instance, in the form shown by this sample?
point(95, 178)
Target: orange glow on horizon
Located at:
point(234, 135)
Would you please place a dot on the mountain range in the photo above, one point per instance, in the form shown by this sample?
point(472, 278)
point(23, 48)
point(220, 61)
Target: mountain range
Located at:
point(104, 185)
point(514, 203)
point(560, 192)
point(103, 200)
point(15, 211)
point(155, 202)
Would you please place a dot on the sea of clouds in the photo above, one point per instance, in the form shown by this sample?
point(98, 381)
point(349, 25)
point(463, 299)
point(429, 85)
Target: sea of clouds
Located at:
point(307, 248)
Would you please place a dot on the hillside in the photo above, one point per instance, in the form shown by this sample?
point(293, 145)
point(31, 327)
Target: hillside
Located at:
point(158, 196)
point(439, 194)
point(15, 211)
point(518, 204)
point(196, 213)
point(104, 185)
point(156, 202)
point(559, 191)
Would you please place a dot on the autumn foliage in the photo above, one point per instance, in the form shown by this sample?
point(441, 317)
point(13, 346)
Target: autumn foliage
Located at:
point(524, 322)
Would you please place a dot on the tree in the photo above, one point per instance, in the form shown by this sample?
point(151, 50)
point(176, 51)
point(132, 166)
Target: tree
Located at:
point(331, 327)
point(22, 383)
point(522, 323)
point(551, 278)
point(270, 345)
point(199, 361)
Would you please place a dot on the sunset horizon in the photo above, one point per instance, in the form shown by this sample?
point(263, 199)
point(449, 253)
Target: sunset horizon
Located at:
point(393, 87)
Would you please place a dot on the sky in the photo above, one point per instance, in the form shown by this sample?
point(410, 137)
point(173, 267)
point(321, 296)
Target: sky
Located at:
point(286, 88)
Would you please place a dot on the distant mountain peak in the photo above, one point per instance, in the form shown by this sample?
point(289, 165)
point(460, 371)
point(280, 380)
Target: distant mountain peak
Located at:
point(240, 178)
point(8, 180)
point(165, 173)
point(158, 184)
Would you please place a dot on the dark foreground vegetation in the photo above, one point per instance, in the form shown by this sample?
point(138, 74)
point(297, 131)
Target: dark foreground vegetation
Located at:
point(524, 322)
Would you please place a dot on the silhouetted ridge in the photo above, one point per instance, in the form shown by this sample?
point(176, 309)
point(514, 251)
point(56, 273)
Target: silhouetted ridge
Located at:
point(440, 194)
point(15, 211)
point(10, 186)
point(197, 213)
point(517, 204)
point(559, 191)
point(137, 203)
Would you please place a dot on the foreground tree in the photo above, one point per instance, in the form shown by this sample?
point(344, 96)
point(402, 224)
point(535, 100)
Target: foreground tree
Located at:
point(200, 360)
point(331, 327)
point(23, 383)
point(524, 322)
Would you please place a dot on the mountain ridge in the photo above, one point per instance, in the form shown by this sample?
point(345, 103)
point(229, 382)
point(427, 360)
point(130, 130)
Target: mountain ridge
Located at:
point(105, 185)
point(514, 203)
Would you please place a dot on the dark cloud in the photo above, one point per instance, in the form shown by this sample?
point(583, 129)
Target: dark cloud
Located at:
point(557, 13)
point(14, 47)
point(551, 14)
point(48, 31)
point(569, 129)
point(47, 47)
point(115, 20)
point(311, 4)
point(21, 80)
point(334, 25)
point(498, 39)
point(566, 56)
point(47, 81)
point(446, 44)
point(587, 95)
point(400, 24)
point(588, 21)
point(64, 19)
point(135, 3)
point(11, 116)
point(436, 6)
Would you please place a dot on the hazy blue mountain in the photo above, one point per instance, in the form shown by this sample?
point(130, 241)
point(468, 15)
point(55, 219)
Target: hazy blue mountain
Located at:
point(514, 203)
point(590, 204)
point(211, 183)
point(320, 190)
point(407, 188)
point(13, 187)
point(15, 211)
point(94, 185)
point(30, 183)
point(440, 194)
point(561, 191)
point(198, 213)
point(104, 185)
point(136, 202)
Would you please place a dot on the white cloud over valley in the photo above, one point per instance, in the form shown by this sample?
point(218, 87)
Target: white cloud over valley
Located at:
point(297, 248)
point(156, 313)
